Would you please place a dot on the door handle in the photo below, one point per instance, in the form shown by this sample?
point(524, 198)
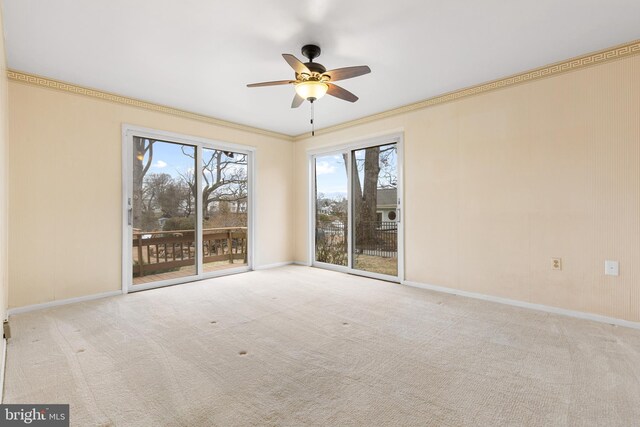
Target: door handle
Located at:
point(129, 212)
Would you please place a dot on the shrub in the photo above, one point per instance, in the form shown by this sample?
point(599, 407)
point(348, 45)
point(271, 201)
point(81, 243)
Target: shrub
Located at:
point(179, 223)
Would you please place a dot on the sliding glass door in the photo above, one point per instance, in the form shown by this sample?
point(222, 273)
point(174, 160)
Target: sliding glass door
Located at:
point(356, 216)
point(187, 209)
point(375, 209)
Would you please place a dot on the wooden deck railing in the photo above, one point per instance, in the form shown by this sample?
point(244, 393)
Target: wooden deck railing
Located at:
point(161, 251)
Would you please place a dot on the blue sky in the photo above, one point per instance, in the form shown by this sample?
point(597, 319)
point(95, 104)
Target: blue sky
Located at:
point(169, 158)
point(330, 169)
point(173, 159)
point(331, 174)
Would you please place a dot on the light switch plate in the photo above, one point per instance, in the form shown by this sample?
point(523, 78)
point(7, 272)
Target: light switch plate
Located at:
point(611, 268)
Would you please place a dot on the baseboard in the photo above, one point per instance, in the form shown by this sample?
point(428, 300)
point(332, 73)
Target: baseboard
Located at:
point(306, 264)
point(2, 365)
point(274, 265)
point(42, 306)
point(529, 305)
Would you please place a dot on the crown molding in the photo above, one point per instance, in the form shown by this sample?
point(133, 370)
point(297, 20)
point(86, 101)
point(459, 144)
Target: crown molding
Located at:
point(573, 64)
point(41, 81)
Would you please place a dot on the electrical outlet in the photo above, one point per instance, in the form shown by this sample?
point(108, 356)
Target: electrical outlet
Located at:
point(611, 268)
point(556, 263)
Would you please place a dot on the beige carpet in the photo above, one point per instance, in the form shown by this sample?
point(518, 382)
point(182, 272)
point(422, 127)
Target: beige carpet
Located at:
point(322, 348)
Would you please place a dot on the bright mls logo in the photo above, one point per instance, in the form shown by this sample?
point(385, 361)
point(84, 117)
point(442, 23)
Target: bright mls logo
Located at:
point(34, 415)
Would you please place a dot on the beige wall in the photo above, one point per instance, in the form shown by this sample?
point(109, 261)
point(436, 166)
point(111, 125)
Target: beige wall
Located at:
point(65, 191)
point(498, 184)
point(495, 186)
point(3, 176)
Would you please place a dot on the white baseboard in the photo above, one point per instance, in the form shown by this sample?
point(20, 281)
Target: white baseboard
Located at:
point(306, 264)
point(529, 305)
point(274, 265)
point(42, 306)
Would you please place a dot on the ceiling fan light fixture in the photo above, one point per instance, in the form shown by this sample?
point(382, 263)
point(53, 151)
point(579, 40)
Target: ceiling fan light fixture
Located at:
point(311, 89)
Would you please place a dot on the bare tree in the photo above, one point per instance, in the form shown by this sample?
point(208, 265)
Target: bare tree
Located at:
point(224, 177)
point(388, 175)
point(142, 147)
point(378, 168)
point(366, 216)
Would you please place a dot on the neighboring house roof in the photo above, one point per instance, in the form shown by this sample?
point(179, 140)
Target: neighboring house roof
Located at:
point(387, 196)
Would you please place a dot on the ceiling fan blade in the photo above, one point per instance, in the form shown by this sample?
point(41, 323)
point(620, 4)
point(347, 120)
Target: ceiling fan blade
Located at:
point(347, 72)
point(295, 63)
point(276, 83)
point(297, 101)
point(338, 92)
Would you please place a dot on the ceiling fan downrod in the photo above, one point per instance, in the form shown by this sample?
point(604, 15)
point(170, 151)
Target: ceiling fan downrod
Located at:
point(313, 127)
point(311, 51)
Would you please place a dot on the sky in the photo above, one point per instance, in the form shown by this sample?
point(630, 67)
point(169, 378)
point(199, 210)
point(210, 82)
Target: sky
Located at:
point(331, 174)
point(173, 159)
point(330, 169)
point(169, 158)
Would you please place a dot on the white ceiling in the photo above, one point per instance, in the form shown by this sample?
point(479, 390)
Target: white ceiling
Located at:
point(198, 55)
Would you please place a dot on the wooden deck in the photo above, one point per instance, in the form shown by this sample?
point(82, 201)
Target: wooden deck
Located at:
point(165, 255)
point(187, 271)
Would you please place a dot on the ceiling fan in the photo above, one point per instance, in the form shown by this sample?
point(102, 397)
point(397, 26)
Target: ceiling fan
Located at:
point(312, 80)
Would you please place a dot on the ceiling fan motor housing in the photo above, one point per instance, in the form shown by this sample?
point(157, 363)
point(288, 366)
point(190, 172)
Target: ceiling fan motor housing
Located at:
point(315, 67)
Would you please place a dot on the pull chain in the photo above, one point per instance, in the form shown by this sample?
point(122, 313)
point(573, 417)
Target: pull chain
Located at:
point(313, 128)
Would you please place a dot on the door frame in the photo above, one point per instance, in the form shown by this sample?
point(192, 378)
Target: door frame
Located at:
point(348, 147)
point(128, 132)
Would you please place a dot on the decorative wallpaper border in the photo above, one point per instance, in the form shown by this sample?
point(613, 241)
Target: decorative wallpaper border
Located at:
point(36, 80)
point(595, 58)
point(579, 62)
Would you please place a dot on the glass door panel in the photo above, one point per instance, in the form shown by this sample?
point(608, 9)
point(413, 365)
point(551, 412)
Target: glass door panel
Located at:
point(163, 211)
point(224, 209)
point(331, 216)
point(374, 183)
